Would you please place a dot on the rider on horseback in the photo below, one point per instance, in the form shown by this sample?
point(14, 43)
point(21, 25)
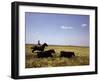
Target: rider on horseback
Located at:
point(39, 43)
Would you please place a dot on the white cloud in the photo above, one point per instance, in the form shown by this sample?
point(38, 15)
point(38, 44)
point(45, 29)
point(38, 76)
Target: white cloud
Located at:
point(83, 25)
point(66, 27)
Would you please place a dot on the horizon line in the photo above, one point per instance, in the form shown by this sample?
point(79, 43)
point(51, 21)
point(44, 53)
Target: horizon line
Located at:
point(62, 45)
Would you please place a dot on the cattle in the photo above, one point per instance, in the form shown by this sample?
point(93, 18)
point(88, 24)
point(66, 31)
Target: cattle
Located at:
point(66, 54)
point(45, 54)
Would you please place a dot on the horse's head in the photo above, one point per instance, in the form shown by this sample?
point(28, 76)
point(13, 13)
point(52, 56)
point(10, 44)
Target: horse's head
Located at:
point(45, 44)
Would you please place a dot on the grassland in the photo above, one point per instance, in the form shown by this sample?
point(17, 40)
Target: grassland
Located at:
point(81, 57)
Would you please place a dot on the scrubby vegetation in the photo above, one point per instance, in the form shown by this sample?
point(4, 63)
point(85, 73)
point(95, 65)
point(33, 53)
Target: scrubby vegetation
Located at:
point(81, 57)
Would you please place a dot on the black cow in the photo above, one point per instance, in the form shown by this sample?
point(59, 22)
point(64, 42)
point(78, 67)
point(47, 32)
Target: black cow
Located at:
point(66, 54)
point(45, 54)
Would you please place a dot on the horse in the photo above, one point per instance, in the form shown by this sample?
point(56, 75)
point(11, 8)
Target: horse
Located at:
point(39, 48)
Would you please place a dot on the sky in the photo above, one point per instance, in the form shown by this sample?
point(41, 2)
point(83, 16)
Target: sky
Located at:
point(57, 29)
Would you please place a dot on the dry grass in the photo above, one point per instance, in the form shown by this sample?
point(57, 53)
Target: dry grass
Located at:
point(81, 57)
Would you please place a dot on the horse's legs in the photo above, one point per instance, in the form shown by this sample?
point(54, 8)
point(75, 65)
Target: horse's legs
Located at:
point(33, 51)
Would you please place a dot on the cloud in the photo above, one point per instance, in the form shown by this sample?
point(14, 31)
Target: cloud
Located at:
point(66, 27)
point(83, 25)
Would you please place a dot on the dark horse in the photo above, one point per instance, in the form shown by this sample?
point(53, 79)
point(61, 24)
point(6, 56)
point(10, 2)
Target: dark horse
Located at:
point(39, 48)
